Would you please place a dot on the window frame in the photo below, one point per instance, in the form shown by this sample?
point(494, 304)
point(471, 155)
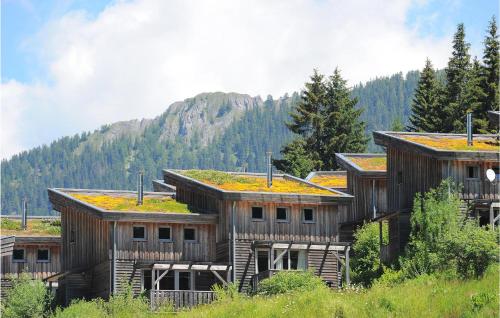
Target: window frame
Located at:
point(257, 219)
point(43, 260)
point(145, 238)
point(476, 172)
point(287, 213)
point(170, 234)
point(313, 210)
point(195, 240)
point(19, 260)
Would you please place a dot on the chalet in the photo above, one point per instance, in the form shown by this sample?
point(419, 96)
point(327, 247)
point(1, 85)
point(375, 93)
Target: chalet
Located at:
point(269, 223)
point(34, 249)
point(417, 162)
point(336, 180)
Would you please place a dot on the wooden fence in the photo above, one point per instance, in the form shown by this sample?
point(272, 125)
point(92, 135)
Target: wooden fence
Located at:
point(181, 298)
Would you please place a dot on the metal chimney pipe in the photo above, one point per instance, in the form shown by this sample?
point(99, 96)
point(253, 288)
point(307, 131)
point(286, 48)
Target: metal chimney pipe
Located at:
point(140, 188)
point(269, 169)
point(469, 129)
point(24, 219)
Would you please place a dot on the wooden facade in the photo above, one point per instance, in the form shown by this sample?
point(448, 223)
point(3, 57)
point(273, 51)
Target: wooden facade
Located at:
point(415, 168)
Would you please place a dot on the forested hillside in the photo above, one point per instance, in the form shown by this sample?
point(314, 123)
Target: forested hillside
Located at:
point(212, 130)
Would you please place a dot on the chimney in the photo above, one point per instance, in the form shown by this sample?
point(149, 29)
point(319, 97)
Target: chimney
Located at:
point(269, 169)
point(469, 129)
point(140, 188)
point(24, 218)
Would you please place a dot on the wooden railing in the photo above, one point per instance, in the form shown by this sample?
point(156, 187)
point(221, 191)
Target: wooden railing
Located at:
point(479, 189)
point(180, 298)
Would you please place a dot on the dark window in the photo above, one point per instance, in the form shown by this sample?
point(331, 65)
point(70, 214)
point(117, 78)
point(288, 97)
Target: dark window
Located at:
point(164, 233)
point(42, 255)
point(497, 173)
point(294, 259)
point(189, 235)
point(139, 233)
point(284, 259)
point(184, 280)
point(18, 255)
point(400, 177)
point(72, 236)
point(262, 261)
point(257, 213)
point(308, 215)
point(146, 279)
point(281, 214)
point(473, 172)
point(168, 281)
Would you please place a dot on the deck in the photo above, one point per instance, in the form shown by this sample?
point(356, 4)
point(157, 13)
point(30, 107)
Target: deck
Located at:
point(181, 298)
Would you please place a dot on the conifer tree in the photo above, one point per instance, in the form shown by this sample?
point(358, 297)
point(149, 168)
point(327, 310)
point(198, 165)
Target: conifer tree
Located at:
point(491, 68)
point(427, 108)
point(475, 95)
point(457, 75)
point(327, 122)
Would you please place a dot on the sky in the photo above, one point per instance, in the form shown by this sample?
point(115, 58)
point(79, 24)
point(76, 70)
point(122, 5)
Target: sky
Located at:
point(72, 66)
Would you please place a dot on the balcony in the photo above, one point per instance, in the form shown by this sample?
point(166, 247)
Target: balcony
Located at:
point(180, 298)
point(475, 189)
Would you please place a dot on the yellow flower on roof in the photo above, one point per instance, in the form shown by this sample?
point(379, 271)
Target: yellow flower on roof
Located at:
point(122, 203)
point(330, 181)
point(370, 163)
point(457, 143)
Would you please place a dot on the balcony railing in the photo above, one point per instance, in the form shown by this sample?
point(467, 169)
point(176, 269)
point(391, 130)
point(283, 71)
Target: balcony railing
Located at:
point(262, 275)
point(479, 190)
point(181, 298)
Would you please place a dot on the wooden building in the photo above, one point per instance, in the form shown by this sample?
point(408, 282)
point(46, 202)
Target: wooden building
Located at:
point(336, 180)
point(292, 224)
point(162, 246)
point(35, 250)
point(417, 162)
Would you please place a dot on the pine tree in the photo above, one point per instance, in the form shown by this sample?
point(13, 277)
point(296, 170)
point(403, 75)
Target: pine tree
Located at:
point(491, 68)
point(475, 95)
point(327, 122)
point(344, 132)
point(456, 75)
point(427, 112)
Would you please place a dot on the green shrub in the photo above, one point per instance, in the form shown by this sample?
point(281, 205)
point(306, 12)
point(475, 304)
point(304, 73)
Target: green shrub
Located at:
point(26, 298)
point(366, 265)
point(82, 308)
point(225, 293)
point(289, 281)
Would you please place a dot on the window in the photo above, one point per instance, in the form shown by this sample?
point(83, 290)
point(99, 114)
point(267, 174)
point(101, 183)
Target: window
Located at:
point(184, 280)
point(472, 172)
point(72, 236)
point(308, 215)
point(164, 234)
point(497, 173)
point(18, 255)
point(42, 255)
point(400, 177)
point(146, 279)
point(262, 260)
point(189, 234)
point(139, 233)
point(282, 214)
point(257, 213)
point(290, 259)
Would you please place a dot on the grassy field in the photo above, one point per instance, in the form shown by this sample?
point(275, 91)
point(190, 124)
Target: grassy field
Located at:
point(425, 296)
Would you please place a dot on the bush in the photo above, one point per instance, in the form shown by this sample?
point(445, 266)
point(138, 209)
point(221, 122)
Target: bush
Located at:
point(366, 265)
point(82, 308)
point(27, 298)
point(290, 281)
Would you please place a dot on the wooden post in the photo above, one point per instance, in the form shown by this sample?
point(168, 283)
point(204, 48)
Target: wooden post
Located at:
point(492, 217)
point(347, 268)
point(233, 238)
point(381, 239)
point(114, 258)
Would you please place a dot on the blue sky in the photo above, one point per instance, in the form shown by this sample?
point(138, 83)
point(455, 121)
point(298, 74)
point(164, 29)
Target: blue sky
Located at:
point(98, 62)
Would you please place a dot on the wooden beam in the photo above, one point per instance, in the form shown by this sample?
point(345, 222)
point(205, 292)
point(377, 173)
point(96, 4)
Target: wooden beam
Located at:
point(220, 278)
point(161, 276)
point(314, 247)
point(194, 267)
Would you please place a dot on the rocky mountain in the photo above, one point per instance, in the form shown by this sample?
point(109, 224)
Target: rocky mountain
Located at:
point(226, 131)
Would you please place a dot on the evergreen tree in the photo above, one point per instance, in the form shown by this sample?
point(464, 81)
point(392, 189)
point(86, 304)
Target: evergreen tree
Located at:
point(491, 68)
point(427, 112)
point(327, 122)
point(397, 125)
point(296, 159)
point(457, 75)
point(475, 95)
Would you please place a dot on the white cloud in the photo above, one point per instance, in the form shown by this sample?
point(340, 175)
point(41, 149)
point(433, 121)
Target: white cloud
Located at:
point(135, 58)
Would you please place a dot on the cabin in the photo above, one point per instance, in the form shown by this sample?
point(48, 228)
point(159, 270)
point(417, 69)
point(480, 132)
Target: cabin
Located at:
point(35, 249)
point(336, 180)
point(111, 239)
point(417, 162)
point(269, 223)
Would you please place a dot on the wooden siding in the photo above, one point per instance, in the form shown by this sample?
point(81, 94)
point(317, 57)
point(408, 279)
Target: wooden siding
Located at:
point(203, 249)
point(92, 236)
point(361, 188)
point(324, 228)
point(31, 266)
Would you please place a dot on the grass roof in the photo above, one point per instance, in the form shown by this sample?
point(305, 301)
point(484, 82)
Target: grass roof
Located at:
point(247, 183)
point(370, 163)
point(458, 143)
point(38, 227)
point(330, 181)
point(114, 202)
